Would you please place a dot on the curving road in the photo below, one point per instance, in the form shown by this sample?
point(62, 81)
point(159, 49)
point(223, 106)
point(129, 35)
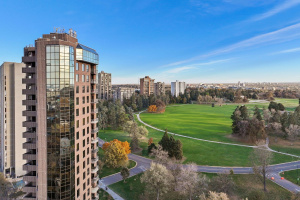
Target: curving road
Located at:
point(144, 163)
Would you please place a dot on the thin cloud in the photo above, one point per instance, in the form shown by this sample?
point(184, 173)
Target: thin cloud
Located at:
point(179, 69)
point(285, 34)
point(288, 51)
point(279, 8)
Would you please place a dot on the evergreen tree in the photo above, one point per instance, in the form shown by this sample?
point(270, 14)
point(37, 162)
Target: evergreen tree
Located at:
point(284, 120)
point(244, 113)
point(281, 107)
point(165, 142)
point(257, 113)
point(273, 105)
point(178, 154)
point(172, 147)
point(235, 120)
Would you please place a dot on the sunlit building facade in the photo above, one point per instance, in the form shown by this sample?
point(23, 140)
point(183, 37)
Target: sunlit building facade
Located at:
point(61, 119)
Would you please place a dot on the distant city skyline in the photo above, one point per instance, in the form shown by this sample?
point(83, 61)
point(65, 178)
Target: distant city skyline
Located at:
point(195, 41)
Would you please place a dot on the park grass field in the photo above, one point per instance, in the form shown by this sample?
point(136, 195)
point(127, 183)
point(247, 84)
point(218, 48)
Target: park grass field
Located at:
point(205, 122)
point(292, 176)
point(246, 185)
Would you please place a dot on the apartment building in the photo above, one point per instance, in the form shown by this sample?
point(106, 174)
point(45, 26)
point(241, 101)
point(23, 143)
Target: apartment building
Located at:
point(122, 93)
point(159, 88)
point(61, 119)
point(147, 86)
point(11, 128)
point(177, 88)
point(104, 86)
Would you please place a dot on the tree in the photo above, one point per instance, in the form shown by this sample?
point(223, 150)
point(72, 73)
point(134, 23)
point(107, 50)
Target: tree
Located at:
point(142, 131)
point(222, 183)
point(122, 118)
point(125, 145)
point(236, 118)
point(135, 144)
point(5, 186)
point(165, 141)
point(152, 109)
point(257, 113)
point(125, 173)
point(281, 107)
point(261, 158)
point(103, 118)
point(293, 131)
point(187, 181)
point(115, 155)
point(178, 152)
point(157, 179)
point(214, 196)
point(160, 155)
point(273, 105)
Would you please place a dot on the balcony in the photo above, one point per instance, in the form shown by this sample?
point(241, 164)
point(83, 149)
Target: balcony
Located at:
point(95, 150)
point(29, 156)
point(29, 124)
point(94, 141)
point(94, 100)
point(94, 121)
point(29, 145)
point(29, 135)
point(94, 156)
point(94, 91)
point(28, 167)
point(95, 131)
point(95, 160)
point(94, 111)
point(29, 102)
point(30, 177)
point(95, 180)
point(29, 113)
point(93, 81)
point(29, 188)
point(30, 70)
point(28, 59)
point(28, 80)
point(95, 196)
point(28, 91)
point(93, 71)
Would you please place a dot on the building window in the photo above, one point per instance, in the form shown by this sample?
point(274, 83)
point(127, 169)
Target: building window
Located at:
point(83, 67)
point(88, 120)
point(77, 135)
point(88, 161)
point(77, 124)
point(88, 109)
point(83, 100)
point(77, 159)
point(88, 98)
point(77, 66)
point(84, 154)
point(83, 175)
point(88, 171)
point(77, 100)
point(84, 165)
point(83, 89)
point(77, 112)
point(87, 68)
point(83, 121)
point(88, 130)
point(77, 181)
point(77, 89)
point(83, 79)
point(87, 89)
point(83, 143)
point(83, 132)
point(87, 78)
point(77, 147)
point(78, 192)
point(77, 169)
point(83, 110)
point(77, 77)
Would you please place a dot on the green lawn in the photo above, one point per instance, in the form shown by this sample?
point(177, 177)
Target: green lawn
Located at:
point(200, 121)
point(292, 176)
point(246, 186)
point(109, 171)
point(131, 190)
point(103, 195)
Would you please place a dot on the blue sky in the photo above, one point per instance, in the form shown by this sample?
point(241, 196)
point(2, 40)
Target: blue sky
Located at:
point(189, 40)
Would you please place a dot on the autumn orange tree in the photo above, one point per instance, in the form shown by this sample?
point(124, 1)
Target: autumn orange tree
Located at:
point(125, 145)
point(152, 108)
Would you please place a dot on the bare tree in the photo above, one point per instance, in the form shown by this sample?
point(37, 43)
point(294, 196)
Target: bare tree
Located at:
point(293, 131)
point(161, 156)
point(188, 181)
point(261, 159)
point(157, 179)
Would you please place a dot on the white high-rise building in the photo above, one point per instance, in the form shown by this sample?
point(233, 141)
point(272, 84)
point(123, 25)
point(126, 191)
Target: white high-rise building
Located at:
point(177, 88)
point(11, 119)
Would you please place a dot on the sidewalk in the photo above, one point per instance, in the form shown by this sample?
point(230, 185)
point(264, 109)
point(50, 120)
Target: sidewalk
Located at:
point(109, 191)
